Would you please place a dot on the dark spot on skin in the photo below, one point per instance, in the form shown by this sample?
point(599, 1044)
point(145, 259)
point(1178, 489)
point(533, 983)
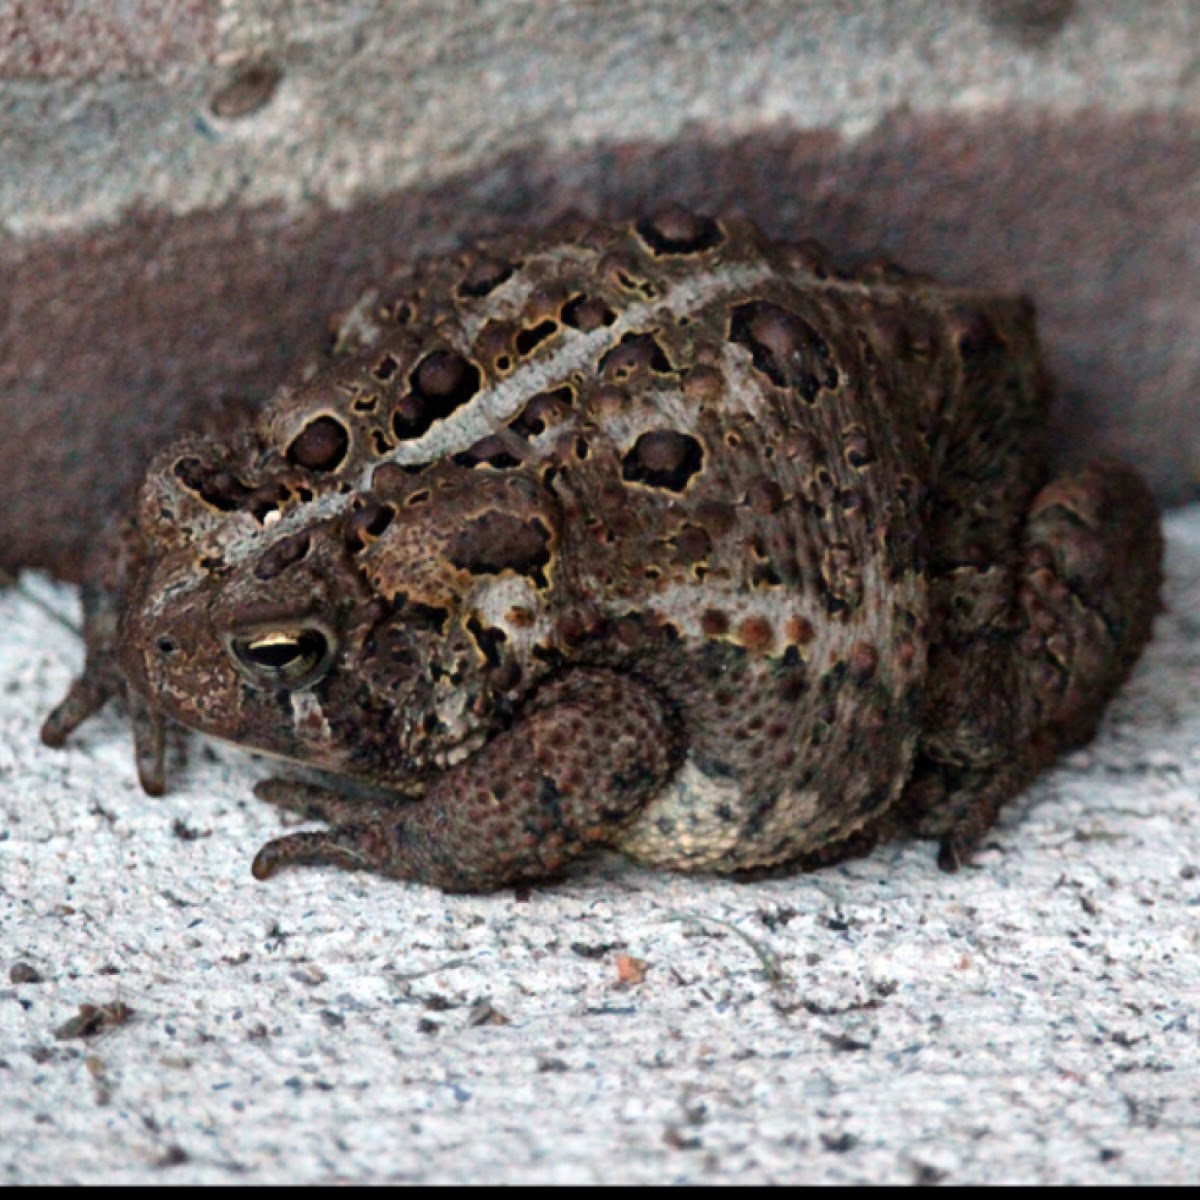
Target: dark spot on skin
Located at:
point(545, 409)
point(366, 403)
point(551, 655)
point(268, 498)
point(634, 351)
point(321, 445)
point(663, 458)
point(716, 516)
point(529, 339)
point(784, 347)
point(367, 523)
point(489, 640)
point(282, 555)
point(764, 575)
point(586, 313)
point(677, 231)
point(793, 683)
point(581, 448)
point(251, 87)
point(499, 541)
point(215, 485)
point(483, 276)
point(629, 629)
point(714, 623)
point(491, 451)
point(431, 616)
point(862, 662)
point(693, 543)
point(857, 447)
point(442, 383)
point(764, 497)
point(631, 283)
point(384, 369)
point(398, 312)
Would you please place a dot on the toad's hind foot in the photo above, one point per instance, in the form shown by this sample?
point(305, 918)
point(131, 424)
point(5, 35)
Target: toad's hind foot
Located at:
point(1087, 593)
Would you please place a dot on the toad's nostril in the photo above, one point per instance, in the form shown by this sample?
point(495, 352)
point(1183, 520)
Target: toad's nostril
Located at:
point(166, 645)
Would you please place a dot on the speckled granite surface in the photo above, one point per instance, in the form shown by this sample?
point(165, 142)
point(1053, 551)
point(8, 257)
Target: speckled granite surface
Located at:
point(1034, 1019)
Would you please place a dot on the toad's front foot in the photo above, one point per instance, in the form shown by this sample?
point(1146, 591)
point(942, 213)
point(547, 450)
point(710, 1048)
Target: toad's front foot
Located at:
point(103, 598)
point(590, 751)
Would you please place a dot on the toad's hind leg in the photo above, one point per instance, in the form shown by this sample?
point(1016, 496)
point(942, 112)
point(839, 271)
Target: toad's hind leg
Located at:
point(1087, 591)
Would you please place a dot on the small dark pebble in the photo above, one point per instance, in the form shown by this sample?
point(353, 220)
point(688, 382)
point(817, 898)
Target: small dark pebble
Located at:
point(185, 833)
point(925, 1175)
point(94, 1018)
point(840, 1144)
point(483, 1013)
point(843, 1043)
point(23, 972)
point(593, 952)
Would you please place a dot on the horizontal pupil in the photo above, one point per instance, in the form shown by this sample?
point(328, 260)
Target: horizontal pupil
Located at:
point(274, 654)
point(277, 652)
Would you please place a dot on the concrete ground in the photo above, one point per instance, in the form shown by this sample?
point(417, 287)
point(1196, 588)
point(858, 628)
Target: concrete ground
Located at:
point(1034, 1019)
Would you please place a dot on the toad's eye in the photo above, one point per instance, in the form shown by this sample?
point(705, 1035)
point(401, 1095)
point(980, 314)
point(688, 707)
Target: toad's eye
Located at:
point(291, 658)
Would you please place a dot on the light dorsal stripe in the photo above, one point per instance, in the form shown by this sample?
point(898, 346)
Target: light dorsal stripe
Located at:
point(494, 407)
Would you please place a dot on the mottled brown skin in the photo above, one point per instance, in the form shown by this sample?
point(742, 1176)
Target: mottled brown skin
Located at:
point(658, 537)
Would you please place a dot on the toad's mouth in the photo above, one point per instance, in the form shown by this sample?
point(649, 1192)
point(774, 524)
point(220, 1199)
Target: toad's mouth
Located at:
point(409, 779)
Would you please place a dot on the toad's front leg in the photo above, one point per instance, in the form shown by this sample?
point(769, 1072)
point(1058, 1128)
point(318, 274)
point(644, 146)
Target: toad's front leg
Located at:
point(586, 754)
point(114, 563)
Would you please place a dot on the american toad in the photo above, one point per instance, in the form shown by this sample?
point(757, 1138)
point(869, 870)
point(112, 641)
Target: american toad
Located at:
point(658, 537)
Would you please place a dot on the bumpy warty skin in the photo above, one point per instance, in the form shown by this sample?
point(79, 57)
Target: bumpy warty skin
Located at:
point(660, 537)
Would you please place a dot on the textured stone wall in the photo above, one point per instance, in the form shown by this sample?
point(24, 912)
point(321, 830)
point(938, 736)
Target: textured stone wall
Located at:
point(188, 188)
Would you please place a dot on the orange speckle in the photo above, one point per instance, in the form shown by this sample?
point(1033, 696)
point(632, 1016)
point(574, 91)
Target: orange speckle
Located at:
point(799, 631)
point(756, 634)
point(631, 970)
